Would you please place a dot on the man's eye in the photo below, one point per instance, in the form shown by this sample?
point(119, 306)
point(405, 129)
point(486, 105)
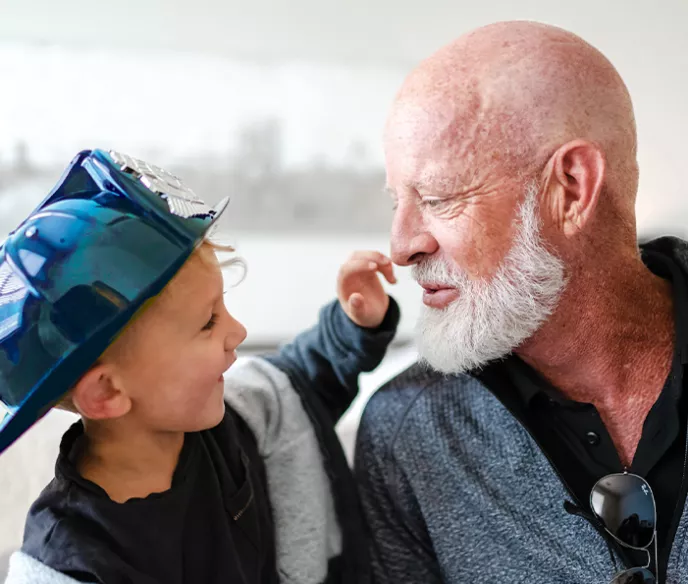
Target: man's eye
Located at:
point(211, 323)
point(432, 203)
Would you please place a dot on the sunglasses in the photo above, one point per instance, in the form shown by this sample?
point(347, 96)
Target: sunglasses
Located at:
point(625, 505)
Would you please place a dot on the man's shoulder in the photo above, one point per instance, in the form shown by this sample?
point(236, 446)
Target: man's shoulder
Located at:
point(671, 247)
point(392, 401)
point(415, 393)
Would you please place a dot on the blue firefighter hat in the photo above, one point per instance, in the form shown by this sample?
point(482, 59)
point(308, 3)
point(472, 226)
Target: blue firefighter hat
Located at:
point(111, 235)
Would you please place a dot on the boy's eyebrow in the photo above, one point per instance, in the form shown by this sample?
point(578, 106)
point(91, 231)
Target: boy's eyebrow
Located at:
point(207, 304)
point(216, 298)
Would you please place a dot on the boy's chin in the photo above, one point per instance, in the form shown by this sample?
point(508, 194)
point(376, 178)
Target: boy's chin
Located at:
point(214, 418)
point(207, 420)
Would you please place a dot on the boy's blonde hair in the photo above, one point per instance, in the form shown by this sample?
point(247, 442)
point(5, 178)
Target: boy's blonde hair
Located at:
point(66, 402)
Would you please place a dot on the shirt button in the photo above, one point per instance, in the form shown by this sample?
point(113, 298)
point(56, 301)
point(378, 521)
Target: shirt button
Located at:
point(593, 438)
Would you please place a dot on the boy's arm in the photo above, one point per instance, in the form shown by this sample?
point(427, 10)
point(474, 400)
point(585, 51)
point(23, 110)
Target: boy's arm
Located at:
point(352, 335)
point(326, 360)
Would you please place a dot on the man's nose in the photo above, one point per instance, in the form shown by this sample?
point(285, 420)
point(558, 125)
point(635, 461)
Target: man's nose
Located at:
point(410, 239)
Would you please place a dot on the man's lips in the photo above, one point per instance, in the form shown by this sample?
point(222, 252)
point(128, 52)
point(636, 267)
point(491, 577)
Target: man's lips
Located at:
point(438, 295)
point(432, 286)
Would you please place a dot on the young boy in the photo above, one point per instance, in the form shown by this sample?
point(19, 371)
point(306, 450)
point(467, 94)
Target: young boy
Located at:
point(111, 290)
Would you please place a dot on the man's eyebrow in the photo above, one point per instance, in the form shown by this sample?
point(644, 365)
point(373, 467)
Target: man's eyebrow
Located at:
point(389, 191)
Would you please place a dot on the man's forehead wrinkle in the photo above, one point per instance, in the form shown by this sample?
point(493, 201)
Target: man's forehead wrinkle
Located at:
point(474, 124)
point(452, 127)
point(446, 179)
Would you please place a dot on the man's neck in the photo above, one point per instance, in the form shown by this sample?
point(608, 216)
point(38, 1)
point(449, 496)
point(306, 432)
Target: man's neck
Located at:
point(128, 462)
point(610, 343)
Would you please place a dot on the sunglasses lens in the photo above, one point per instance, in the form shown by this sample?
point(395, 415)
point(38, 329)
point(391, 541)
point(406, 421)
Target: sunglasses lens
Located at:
point(624, 503)
point(634, 576)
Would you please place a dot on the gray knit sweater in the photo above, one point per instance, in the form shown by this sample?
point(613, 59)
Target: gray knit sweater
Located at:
point(455, 490)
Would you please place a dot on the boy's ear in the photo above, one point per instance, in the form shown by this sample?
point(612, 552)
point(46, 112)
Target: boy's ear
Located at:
point(67, 404)
point(97, 396)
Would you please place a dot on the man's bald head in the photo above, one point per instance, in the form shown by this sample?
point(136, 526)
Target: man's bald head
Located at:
point(504, 97)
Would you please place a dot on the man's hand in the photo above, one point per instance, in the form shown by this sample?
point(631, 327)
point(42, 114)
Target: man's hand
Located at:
point(359, 289)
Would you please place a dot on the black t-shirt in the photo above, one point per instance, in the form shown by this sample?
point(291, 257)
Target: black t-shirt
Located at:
point(577, 443)
point(214, 525)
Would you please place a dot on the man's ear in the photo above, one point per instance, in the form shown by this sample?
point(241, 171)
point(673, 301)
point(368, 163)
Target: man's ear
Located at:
point(98, 395)
point(575, 179)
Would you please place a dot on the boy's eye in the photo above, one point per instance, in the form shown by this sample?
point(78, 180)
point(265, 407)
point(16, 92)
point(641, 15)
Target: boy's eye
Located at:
point(211, 323)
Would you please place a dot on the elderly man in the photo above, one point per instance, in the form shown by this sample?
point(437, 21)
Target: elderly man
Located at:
point(553, 407)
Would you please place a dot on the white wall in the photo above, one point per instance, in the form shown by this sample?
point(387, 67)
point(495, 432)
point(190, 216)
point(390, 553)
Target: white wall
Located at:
point(345, 30)
point(288, 281)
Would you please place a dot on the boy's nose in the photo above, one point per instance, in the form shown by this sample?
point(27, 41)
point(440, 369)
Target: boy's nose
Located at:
point(236, 334)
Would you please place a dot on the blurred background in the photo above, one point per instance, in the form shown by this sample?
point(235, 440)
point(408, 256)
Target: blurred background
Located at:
point(280, 105)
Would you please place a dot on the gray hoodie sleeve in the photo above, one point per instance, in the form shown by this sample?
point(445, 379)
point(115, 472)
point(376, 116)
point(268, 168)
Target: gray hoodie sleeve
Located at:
point(26, 570)
point(306, 527)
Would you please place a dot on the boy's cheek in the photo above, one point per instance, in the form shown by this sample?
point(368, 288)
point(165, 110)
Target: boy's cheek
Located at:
point(206, 414)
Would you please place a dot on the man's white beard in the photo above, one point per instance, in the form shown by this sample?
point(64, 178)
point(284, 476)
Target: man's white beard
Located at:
point(489, 319)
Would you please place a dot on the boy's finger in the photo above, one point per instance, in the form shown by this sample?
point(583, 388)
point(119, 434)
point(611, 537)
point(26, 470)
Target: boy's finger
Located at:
point(357, 308)
point(387, 270)
point(374, 256)
point(357, 266)
point(356, 302)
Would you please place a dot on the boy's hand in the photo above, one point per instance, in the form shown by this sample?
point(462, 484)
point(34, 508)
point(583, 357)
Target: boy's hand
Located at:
point(359, 289)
